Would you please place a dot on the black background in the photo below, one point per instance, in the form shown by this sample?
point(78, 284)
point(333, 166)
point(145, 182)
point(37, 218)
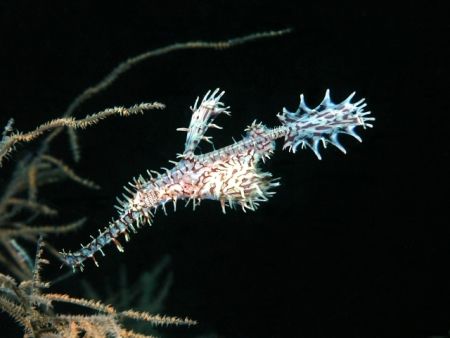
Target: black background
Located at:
point(354, 245)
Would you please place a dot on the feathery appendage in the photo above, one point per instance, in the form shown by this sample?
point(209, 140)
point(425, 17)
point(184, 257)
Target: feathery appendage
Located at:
point(308, 127)
point(230, 175)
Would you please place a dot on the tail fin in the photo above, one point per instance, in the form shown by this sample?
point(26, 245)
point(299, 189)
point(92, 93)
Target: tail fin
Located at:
point(308, 127)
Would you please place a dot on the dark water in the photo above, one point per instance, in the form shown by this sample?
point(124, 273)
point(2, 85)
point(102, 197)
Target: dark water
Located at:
point(354, 245)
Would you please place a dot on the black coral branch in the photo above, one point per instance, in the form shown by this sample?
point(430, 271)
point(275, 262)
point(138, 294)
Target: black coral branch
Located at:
point(9, 140)
point(33, 308)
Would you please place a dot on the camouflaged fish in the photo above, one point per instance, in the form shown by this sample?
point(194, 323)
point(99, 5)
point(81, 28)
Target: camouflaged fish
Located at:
point(230, 175)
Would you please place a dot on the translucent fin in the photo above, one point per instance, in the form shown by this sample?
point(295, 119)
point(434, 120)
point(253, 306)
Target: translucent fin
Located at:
point(307, 127)
point(202, 118)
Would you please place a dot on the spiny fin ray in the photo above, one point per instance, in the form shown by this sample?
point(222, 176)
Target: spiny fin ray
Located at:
point(307, 126)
